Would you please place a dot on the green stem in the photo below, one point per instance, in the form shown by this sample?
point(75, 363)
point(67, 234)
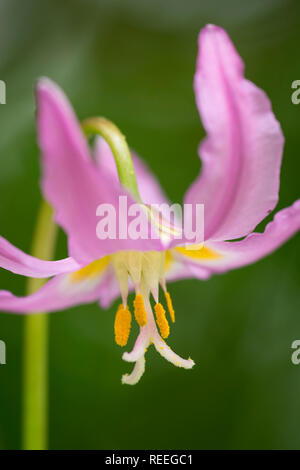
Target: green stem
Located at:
point(117, 142)
point(35, 406)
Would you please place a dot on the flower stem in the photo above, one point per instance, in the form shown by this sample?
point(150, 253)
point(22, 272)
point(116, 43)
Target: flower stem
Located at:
point(117, 142)
point(35, 403)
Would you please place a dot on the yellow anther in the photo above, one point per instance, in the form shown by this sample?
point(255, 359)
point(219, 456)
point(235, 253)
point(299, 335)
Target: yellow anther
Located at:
point(161, 320)
point(139, 310)
point(170, 306)
point(122, 325)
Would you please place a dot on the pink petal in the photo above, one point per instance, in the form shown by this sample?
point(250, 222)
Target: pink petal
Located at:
point(18, 262)
point(242, 152)
point(180, 268)
point(255, 246)
point(149, 187)
point(59, 293)
point(72, 182)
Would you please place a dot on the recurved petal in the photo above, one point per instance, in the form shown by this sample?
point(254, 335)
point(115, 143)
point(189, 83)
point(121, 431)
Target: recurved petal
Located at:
point(224, 256)
point(73, 184)
point(61, 292)
point(241, 155)
point(178, 267)
point(18, 262)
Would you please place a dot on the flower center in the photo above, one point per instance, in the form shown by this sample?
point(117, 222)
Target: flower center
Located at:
point(145, 272)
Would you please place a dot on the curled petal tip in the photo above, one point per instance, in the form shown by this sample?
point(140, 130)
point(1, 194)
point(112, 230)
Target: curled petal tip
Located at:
point(43, 81)
point(46, 84)
point(242, 151)
point(211, 28)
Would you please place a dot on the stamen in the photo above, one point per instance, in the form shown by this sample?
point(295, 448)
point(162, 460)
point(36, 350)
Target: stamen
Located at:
point(122, 325)
point(170, 306)
point(146, 271)
point(139, 310)
point(161, 320)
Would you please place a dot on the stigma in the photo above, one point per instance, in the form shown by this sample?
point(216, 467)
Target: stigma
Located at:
point(145, 273)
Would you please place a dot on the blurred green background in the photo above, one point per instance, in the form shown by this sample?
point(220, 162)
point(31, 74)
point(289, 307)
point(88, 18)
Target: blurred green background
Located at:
point(133, 61)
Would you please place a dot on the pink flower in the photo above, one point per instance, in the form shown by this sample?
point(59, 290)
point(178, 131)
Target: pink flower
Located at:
point(238, 185)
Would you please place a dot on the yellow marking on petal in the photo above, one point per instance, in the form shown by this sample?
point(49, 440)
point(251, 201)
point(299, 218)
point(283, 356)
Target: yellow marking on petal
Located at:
point(170, 306)
point(204, 253)
point(122, 325)
point(168, 260)
point(90, 271)
point(139, 310)
point(161, 320)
